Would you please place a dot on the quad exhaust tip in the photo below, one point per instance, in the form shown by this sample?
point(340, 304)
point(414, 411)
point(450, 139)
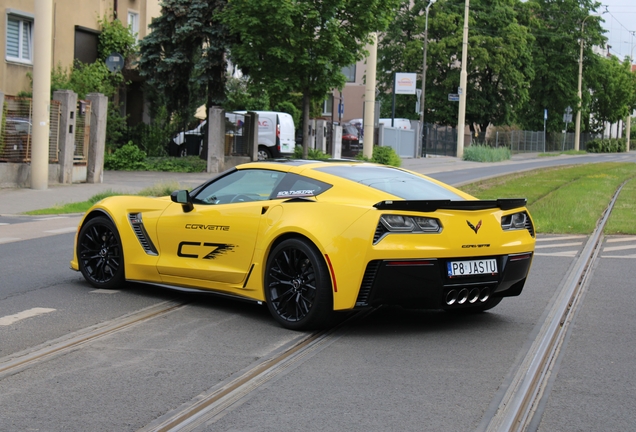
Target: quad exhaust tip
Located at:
point(466, 296)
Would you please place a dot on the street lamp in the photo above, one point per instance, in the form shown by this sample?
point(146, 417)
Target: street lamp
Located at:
point(424, 75)
point(577, 125)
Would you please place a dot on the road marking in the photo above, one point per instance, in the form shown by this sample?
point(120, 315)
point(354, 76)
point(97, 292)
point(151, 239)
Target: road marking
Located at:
point(9, 239)
point(62, 230)
point(559, 245)
point(3, 223)
point(104, 291)
point(617, 248)
point(619, 256)
point(547, 239)
point(570, 254)
point(620, 239)
point(52, 218)
point(11, 319)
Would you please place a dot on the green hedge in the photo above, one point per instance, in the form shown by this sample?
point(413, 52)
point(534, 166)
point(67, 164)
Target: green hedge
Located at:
point(602, 145)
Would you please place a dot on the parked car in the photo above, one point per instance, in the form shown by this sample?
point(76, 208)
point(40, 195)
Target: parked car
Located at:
point(350, 140)
point(399, 123)
point(276, 133)
point(310, 238)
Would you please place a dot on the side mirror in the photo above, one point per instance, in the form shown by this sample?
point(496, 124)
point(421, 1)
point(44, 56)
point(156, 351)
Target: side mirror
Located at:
point(182, 197)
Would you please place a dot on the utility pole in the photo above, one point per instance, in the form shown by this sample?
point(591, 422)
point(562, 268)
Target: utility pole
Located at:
point(461, 122)
point(424, 78)
point(43, 29)
point(369, 98)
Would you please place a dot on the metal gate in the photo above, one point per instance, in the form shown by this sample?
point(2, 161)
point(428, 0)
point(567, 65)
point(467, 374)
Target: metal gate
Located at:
point(16, 140)
point(82, 131)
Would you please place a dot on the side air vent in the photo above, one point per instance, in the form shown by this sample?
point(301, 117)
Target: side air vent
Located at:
point(530, 227)
point(380, 231)
point(144, 240)
point(367, 284)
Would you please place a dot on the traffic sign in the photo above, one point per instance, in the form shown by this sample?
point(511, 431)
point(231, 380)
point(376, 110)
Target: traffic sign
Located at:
point(453, 97)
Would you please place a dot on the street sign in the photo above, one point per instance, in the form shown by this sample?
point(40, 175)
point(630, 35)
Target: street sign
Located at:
point(405, 83)
point(567, 118)
point(545, 114)
point(453, 97)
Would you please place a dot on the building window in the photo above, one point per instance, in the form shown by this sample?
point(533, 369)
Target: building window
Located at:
point(350, 73)
point(327, 106)
point(133, 24)
point(19, 39)
point(86, 45)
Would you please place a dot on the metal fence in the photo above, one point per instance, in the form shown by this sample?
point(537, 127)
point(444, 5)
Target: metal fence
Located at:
point(439, 140)
point(16, 139)
point(536, 141)
point(82, 131)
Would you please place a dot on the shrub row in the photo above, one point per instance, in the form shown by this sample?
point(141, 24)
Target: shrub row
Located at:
point(484, 153)
point(129, 157)
point(603, 145)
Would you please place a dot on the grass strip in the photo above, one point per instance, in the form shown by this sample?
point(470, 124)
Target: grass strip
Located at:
point(160, 189)
point(563, 199)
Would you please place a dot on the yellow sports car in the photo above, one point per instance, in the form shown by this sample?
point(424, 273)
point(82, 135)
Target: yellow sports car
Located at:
point(310, 238)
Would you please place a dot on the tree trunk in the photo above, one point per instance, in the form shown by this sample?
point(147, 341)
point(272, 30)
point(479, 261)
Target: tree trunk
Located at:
point(306, 104)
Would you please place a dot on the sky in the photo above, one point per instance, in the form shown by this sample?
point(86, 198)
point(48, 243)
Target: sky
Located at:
point(620, 23)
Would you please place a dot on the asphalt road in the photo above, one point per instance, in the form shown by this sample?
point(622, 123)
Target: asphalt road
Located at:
point(394, 369)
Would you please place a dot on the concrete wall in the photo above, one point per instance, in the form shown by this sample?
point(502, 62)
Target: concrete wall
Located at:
point(18, 175)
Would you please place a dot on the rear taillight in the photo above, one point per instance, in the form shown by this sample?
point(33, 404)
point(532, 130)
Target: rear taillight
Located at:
point(278, 131)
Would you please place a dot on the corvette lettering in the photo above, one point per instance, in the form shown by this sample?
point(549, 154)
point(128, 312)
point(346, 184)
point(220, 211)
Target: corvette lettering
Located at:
point(207, 227)
point(475, 246)
point(193, 250)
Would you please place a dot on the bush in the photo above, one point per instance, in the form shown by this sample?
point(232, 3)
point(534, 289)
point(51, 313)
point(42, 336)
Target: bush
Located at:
point(126, 158)
point(176, 164)
point(602, 145)
point(483, 153)
point(382, 155)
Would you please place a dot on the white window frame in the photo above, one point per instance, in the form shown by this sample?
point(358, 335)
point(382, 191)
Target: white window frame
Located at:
point(22, 19)
point(133, 23)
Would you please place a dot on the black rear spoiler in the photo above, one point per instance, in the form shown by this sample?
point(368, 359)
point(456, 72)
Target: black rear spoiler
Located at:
point(432, 205)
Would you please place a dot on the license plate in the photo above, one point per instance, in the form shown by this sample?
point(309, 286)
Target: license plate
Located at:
point(471, 268)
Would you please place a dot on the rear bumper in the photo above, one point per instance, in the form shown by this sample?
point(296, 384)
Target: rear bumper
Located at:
point(425, 283)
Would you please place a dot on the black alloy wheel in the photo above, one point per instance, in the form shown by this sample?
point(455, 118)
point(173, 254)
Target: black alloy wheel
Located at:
point(100, 254)
point(298, 286)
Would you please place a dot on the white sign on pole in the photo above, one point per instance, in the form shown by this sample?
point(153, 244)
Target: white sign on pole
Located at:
point(405, 83)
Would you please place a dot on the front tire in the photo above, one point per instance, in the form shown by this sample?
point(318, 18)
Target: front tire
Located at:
point(298, 286)
point(100, 254)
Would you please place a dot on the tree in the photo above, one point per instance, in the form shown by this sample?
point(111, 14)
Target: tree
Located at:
point(499, 58)
point(302, 45)
point(614, 91)
point(556, 26)
point(183, 57)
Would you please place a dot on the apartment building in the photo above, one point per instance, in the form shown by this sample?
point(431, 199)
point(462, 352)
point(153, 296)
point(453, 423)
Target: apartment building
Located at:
point(74, 36)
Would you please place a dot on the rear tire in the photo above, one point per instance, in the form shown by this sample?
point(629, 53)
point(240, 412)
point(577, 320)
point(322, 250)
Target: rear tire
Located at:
point(100, 254)
point(298, 287)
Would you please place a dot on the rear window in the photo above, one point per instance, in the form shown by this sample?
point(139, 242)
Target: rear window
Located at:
point(393, 181)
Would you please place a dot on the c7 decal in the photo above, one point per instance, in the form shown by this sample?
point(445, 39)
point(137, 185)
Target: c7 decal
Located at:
point(218, 249)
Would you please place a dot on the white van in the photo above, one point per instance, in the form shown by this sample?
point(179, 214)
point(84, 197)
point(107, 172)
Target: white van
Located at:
point(399, 123)
point(276, 133)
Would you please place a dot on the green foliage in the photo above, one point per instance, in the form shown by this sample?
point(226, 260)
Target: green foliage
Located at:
point(152, 138)
point(184, 56)
point(127, 158)
point(612, 145)
point(302, 45)
point(313, 154)
point(482, 153)
point(188, 164)
point(243, 95)
point(290, 108)
point(499, 53)
point(614, 88)
point(131, 158)
point(385, 156)
point(116, 38)
point(556, 27)
point(115, 127)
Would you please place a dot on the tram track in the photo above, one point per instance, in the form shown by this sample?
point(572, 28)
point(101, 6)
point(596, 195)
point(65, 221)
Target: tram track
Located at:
point(521, 401)
point(47, 350)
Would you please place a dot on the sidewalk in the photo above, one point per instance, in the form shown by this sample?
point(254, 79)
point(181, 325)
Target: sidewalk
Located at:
point(16, 201)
